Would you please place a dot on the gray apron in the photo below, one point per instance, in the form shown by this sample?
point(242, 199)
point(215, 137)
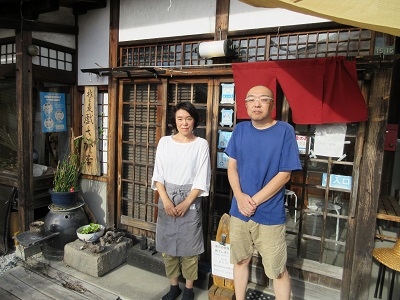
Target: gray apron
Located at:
point(181, 236)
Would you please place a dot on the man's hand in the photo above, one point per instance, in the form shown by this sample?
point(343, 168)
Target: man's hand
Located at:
point(246, 205)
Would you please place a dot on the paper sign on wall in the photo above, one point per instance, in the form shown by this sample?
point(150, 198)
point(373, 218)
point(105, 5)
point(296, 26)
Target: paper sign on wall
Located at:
point(301, 143)
point(226, 117)
point(329, 139)
point(222, 160)
point(220, 260)
point(54, 116)
point(224, 137)
point(228, 93)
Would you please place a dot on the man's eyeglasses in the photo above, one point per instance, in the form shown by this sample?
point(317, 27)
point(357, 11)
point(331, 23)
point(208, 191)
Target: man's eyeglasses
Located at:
point(263, 99)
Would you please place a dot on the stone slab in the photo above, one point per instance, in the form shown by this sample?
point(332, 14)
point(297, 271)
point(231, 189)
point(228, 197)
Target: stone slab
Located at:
point(96, 264)
point(153, 261)
point(25, 252)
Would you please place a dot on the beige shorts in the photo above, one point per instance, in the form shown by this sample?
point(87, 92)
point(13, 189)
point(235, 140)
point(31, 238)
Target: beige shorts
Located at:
point(189, 266)
point(269, 240)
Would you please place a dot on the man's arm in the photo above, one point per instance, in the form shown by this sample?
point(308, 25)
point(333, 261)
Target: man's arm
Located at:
point(246, 205)
point(272, 187)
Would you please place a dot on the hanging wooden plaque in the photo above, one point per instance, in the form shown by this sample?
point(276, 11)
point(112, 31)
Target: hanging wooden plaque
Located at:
point(90, 151)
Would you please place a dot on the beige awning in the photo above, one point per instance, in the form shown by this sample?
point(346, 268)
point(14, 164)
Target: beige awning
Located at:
point(377, 15)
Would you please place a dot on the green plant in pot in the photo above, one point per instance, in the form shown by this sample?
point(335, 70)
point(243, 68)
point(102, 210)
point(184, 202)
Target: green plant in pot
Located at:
point(91, 232)
point(66, 181)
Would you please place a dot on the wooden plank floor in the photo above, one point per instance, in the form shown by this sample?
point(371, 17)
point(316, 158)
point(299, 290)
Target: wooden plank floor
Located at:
point(26, 283)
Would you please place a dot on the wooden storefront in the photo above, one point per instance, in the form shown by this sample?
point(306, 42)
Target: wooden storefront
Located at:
point(141, 94)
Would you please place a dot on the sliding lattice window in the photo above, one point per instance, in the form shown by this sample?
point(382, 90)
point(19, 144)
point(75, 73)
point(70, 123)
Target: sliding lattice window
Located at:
point(141, 125)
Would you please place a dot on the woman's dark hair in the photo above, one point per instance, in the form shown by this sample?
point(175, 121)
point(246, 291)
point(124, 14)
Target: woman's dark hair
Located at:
point(189, 107)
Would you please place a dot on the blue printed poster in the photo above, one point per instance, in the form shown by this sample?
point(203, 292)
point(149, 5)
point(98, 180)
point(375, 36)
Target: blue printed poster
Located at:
point(53, 112)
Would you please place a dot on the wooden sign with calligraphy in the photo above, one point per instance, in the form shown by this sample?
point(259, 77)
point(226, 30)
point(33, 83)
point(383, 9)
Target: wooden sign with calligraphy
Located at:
point(90, 151)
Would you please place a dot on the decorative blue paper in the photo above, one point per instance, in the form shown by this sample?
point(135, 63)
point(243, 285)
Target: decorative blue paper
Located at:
point(226, 117)
point(228, 93)
point(224, 137)
point(222, 160)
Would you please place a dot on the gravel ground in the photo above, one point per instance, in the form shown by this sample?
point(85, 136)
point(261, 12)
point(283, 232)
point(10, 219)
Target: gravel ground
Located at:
point(8, 262)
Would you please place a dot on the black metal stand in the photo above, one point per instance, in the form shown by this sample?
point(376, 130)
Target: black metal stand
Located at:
point(380, 281)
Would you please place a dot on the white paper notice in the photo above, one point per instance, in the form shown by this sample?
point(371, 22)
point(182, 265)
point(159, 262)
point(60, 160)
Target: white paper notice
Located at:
point(220, 260)
point(329, 140)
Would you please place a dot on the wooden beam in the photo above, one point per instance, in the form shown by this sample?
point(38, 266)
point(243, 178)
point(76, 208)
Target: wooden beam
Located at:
point(112, 199)
point(356, 283)
point(25, 129)
point(221, 25)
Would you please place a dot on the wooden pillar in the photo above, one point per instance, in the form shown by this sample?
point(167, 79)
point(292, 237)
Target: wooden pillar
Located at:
point(360, 239)
point(221, 25)
point(25, 128)
point(111, 214)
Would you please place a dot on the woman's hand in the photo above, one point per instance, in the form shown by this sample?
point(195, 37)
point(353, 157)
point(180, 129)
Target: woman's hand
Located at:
point(182, 208)
point(170, 208)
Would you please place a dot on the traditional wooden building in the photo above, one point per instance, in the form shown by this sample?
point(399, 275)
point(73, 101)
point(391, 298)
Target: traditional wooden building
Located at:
point(142, 57)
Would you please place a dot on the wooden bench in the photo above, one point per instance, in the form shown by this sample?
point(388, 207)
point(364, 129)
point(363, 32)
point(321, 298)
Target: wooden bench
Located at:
point(388, 210)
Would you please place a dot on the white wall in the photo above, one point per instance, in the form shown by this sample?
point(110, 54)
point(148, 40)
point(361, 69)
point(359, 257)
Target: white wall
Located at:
point(140, 20)
point(243, 16)
point(95, 194)
point(93, 41)
point(163, 18)
point(4, 33)
point(64, 16)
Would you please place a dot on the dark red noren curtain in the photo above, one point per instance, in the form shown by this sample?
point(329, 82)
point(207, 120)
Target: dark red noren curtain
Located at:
point(319, 91)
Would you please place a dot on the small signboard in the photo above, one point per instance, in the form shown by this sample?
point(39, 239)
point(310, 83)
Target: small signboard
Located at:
point(338, 181)
point(220, 260)
point(90, 151)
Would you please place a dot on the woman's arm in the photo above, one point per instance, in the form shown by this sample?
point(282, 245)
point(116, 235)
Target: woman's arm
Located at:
point(169, 206)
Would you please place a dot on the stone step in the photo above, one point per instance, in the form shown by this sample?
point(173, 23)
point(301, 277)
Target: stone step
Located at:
point(152, 261)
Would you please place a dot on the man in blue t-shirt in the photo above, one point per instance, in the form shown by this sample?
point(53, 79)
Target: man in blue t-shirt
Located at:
point(262, 154)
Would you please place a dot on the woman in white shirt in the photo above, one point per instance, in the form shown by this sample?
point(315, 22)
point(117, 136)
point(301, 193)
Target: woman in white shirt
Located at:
point(181, 176)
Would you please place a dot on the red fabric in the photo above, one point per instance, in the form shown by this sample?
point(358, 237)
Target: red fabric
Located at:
point(322, 90)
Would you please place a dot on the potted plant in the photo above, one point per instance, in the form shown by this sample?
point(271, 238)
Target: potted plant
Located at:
point(66, 180)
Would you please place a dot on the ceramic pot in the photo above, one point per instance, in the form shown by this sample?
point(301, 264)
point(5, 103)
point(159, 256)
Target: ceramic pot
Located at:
point(63, 199)
point(65, 222)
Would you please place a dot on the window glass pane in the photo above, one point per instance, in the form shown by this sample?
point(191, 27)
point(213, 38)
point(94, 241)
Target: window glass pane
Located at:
point(8, 126)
